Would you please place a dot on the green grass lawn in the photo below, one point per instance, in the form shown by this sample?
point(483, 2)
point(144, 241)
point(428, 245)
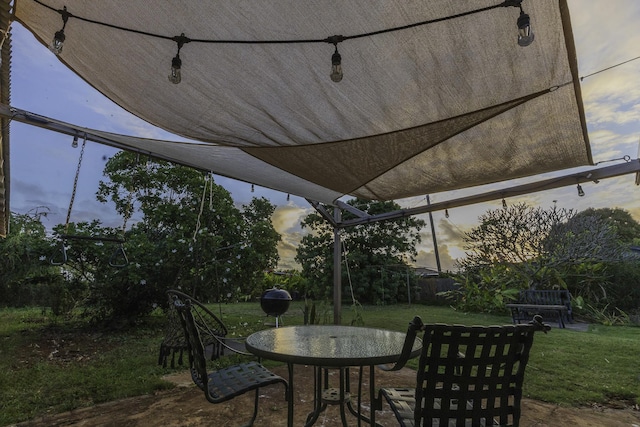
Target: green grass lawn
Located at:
point(49, 365)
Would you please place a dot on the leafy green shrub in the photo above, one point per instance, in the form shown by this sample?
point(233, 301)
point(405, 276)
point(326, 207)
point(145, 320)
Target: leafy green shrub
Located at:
point(485, 290)
point(606, 316)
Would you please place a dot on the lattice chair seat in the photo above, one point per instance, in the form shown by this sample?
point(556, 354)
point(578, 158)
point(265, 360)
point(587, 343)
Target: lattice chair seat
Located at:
point(222, 384)
point(227, 383)
point(468, 376)
point(403, 403)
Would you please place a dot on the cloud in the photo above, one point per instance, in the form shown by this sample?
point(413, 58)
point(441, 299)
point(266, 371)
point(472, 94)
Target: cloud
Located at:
point(287, 250)
point(428, 259)
point(286, 220)
point(451, 232)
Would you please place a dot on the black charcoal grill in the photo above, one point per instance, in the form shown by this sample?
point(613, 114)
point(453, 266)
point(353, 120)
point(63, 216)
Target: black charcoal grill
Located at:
point(275, 302)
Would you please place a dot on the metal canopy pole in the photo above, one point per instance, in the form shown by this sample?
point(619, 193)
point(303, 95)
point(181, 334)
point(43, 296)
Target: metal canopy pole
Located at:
point(433, 234)
point(337, 270)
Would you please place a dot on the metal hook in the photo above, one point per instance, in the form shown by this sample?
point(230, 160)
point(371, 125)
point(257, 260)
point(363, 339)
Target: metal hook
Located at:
point(119, 253)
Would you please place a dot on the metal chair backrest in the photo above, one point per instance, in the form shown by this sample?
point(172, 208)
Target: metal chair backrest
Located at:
point(212, 330)
point(195, 348)
point(472, 374)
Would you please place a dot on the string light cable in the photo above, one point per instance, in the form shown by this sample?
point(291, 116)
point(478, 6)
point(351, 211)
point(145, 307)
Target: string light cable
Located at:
point(610, 67)
point(525, 35)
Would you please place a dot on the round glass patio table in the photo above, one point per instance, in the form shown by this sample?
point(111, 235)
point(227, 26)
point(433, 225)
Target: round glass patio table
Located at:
point(330, 346)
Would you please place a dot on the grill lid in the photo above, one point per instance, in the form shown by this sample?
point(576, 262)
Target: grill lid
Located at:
point(275, 302)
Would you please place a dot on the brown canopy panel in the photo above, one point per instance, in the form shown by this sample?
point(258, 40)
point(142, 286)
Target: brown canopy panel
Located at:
point(446, 105)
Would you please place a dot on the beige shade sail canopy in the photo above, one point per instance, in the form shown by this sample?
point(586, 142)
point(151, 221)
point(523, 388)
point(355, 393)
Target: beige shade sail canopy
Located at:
point(436, 95)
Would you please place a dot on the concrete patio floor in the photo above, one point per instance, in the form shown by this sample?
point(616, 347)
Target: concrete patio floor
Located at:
point(186, 406)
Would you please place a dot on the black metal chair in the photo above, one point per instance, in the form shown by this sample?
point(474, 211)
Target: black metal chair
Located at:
point(225, 383)
point(213, 333)
point(468, 376)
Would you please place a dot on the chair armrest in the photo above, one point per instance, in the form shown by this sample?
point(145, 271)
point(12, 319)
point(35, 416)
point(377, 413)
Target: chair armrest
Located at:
point(414, 326)
point(539, 326)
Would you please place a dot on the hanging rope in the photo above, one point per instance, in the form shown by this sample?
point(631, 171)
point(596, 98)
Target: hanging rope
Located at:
point(204, 196)
point(63, 248)
point(346, 264)
point(119, 257)
point(75, 184)
point(129, 208)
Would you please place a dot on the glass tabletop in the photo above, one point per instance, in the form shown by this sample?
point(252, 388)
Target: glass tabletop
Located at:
point(329, 345)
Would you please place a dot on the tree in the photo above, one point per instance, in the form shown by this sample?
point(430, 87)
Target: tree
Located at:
point(190, 236)
point(626, 228)
point(534, 242)
point(620, 286)
point(84, 259)
point(25, 272)
point(371, 252)
point(521, 247)
point(260, 252)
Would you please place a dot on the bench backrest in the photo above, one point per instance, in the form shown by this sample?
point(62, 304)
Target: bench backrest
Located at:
point(545, 297)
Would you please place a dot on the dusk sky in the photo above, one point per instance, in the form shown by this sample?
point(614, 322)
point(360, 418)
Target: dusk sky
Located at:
point(43, 163)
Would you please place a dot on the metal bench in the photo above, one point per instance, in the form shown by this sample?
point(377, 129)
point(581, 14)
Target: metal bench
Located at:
point(551, 304)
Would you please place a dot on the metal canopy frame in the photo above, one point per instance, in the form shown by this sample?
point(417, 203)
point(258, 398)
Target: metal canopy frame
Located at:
point(590, 175)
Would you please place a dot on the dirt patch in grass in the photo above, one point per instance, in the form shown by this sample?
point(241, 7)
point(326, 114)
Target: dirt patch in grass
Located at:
point(186, 406)
point(61, 347)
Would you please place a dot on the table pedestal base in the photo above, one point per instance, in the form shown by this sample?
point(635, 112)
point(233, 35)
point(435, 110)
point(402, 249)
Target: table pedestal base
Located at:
point(325, 395)
point(331, 396)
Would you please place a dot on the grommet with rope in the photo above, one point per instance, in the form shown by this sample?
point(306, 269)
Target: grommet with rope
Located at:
point(118, 258)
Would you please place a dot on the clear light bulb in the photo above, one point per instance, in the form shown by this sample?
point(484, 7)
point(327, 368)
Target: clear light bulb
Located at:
point(176, 76)
point(336, 67)
point(57, 43)
point(74, 143)
point(525, 34)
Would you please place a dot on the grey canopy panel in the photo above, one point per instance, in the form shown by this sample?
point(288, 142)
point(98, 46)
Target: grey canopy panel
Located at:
point(447, 105)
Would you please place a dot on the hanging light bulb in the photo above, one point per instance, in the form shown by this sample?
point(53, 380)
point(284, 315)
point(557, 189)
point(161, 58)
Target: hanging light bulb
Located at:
point(525, 34)
point(253, 188)
point(58, 39)
point(57, 42)
point(175, 76)
point(336, 65)
point(288, 197)
point(446, 213)
point(74, 143)
point(504, 204)
point(580, 191)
